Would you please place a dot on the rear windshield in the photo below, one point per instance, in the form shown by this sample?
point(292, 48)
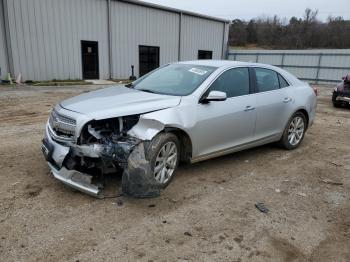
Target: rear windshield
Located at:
point(174, 79)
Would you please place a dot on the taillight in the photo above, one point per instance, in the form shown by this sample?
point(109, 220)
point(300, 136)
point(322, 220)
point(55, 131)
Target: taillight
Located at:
point(315, 90)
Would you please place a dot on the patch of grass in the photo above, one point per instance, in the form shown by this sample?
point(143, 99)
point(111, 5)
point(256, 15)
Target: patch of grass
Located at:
point(121, 81)
point(60, 83)
point(67, 80)
point(247, 47)
point(7, 85)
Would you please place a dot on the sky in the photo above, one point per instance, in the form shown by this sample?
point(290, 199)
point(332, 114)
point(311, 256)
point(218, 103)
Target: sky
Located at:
point(248, 9)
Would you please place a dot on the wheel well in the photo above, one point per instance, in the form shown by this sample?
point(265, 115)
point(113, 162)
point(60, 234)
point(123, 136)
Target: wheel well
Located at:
point(185, 143)
point(306, 114)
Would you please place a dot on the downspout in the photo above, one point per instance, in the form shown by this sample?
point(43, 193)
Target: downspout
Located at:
point(180, 36)
point(224, 45)
point(8, 48)
point(109, 28)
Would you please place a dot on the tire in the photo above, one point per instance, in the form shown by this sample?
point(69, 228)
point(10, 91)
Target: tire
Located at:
point(156, 152)
point(291, 128)
point(334, 100)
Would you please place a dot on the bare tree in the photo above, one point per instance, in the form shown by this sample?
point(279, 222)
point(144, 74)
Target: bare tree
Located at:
point(298, 33)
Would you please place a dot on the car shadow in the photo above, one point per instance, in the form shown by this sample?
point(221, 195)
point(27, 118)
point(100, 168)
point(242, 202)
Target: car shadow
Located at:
point(112, 182)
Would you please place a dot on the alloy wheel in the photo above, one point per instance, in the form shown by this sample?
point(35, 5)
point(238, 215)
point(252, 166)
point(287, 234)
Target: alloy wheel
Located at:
point(296, 130)
point(165, 162)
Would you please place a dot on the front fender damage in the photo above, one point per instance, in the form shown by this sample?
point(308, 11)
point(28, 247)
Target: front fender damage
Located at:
point(146, 129)
point(138, 180)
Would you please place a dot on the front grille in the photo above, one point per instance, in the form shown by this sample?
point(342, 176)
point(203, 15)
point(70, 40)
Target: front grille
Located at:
point(62, 128)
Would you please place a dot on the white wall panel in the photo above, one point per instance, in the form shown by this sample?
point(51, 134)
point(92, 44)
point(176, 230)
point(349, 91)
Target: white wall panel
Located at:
point(201, 34)
point(46, 36)
point(134, 25)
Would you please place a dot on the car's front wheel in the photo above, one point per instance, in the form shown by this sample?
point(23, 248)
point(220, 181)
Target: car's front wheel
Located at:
point(334, 100)
point(294, 132)
point(164, 156)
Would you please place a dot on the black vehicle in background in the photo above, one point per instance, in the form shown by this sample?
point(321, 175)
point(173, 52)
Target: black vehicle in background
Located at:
point(341, 93)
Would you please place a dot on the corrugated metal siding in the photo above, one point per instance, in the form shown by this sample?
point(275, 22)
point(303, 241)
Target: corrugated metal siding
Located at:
point(46, 35)
point(302, 63)
point(134, 25)
point(201, 34)
point(3, 57)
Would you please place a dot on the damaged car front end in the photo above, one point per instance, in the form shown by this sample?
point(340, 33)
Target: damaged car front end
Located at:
point(341, 93)
point(81, 148)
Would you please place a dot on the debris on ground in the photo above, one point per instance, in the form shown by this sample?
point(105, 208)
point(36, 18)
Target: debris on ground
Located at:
point(331, 182)
point(286, 156)
point(188, 234)
point(262, 208)
point(301, 194)
point(336, 164)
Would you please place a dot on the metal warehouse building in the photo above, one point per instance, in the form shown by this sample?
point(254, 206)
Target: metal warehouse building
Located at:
point(101, 39)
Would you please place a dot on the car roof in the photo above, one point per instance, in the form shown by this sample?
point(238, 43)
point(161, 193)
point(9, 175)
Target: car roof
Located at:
point(224, 63)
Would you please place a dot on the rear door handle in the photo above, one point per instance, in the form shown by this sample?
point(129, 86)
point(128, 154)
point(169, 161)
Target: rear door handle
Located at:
point(287, 100)
point(249, 108)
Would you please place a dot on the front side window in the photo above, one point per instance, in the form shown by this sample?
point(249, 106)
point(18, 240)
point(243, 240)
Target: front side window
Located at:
point(174, 79)
point(234, 82)
point(266, 79)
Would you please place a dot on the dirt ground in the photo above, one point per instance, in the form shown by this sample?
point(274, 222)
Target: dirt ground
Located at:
point(206, 214)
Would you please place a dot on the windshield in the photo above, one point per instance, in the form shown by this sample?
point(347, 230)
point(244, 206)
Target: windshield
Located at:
point(174, 79)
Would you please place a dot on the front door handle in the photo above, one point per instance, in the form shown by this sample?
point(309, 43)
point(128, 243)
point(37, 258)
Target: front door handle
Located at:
point(287, 100)
point(249, 108)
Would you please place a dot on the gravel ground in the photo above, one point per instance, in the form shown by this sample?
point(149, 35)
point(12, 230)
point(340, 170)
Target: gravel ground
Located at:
point(206, 214)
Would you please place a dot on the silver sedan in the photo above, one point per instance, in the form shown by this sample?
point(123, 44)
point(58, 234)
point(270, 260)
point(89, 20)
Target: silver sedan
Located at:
point(187, 111)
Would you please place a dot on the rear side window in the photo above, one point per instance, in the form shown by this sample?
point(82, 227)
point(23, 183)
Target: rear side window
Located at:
point(234, 82)
point(266, 79)
point(283, 82)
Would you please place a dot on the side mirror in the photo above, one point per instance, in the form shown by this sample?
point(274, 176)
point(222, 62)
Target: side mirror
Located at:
point(343, 78)
point(214, 96)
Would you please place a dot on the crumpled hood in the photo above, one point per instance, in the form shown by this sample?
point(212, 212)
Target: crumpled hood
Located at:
point(118, 101)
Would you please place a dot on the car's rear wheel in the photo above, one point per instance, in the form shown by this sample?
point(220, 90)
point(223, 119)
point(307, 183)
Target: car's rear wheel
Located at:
point(164, 155)
point(295, 131)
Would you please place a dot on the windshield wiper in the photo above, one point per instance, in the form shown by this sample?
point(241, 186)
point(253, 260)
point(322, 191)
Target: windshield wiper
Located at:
point(147, 90)
point(129, 85)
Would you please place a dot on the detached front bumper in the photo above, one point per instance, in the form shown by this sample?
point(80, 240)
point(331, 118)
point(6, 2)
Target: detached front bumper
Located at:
point(343, 99)
point(76, 180)
point(55, 154)
point(342, 96)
